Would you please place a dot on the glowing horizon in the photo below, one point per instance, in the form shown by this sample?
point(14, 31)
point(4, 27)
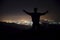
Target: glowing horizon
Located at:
point(27, 22)
point(22, 21)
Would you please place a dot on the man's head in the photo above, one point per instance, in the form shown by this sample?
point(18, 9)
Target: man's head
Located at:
point(35, 10)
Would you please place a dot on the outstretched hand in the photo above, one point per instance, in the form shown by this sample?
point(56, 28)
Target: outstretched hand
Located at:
point(26, 12)
point(44, 13)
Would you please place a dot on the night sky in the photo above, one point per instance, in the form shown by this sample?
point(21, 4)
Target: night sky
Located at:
point(13, 9)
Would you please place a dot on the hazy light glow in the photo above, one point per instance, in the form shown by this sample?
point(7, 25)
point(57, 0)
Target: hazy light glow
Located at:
point(24, 22)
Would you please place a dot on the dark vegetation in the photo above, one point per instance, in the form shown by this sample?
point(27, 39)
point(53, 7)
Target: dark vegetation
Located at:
point(13, 31)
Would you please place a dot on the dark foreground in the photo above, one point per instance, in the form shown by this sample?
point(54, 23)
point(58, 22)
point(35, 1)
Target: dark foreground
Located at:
point(14, 32)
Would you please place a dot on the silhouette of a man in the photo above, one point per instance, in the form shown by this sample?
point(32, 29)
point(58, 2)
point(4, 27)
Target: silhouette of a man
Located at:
point(35, 17)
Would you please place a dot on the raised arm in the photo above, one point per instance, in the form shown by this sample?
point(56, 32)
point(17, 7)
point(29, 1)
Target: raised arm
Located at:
point(44, 13)
point(27, 12)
